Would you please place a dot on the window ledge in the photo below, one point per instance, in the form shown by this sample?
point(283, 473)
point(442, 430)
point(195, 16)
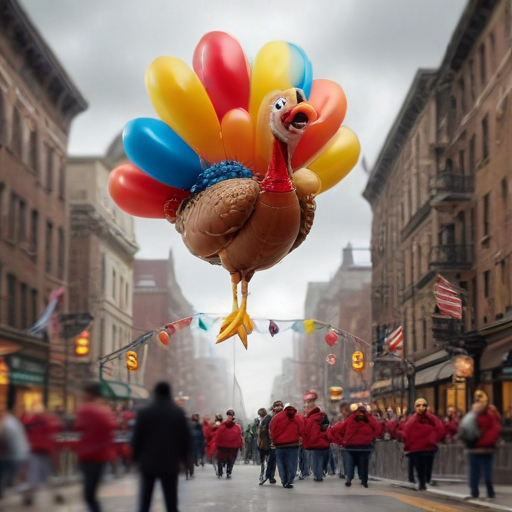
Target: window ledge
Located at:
point(484, 241)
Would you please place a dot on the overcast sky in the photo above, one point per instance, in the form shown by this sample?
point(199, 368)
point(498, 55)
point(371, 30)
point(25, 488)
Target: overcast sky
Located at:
point(371, 47)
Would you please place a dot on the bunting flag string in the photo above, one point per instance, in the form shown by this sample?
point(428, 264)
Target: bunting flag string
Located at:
point(205, 322)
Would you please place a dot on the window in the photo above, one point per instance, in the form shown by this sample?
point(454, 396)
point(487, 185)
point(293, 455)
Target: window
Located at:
point(61, 254)
point(114, 284)
point(462, 167)
point(33, 306)
point(103, 274)
point(24, 306)
point(22, 225)
point(472, 80)
point(1, 210)
point(485, 138)
point(102, 337)
point(418, 170)
point(492, 42)
point(11, 220)
point(452, 116)
point(3, 122)
point(485, 214)
point(114, 338)
point(34, 227)
point(62, 180)
point(127, 295)
point(483, 66)
point(121, 295)
point(486, 283)
point(418, 247)
point(32, 151)
point(17, 133)
point(462, 94)
point(11, 300)
point(504, 192)
point(472, 155)
point(49, 168)
point(424, 327)
point(49, 244)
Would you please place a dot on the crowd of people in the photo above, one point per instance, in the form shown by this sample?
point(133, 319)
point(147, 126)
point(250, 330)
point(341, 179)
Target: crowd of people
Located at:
point(286, 443)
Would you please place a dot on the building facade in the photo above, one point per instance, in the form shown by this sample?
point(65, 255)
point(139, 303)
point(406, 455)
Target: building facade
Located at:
point(38, 102)
point(440, 196)
point(102, 250)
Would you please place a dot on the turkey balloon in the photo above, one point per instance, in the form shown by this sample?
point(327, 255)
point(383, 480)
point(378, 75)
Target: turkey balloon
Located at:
point(237, 157)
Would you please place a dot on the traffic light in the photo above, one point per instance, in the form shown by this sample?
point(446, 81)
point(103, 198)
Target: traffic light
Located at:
point(82, 344)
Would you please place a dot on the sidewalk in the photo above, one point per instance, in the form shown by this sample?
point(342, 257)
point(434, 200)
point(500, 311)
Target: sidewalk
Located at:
point(460, 492)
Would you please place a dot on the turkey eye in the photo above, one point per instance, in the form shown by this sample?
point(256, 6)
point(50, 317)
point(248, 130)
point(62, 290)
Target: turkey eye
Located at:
point(279, 104)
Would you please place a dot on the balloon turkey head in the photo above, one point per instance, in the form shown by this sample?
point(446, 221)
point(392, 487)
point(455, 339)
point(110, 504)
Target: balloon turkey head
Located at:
point(246, 225)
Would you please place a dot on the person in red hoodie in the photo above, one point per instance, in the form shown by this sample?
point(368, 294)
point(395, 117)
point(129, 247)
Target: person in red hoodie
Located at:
point(229, 440)
point(41, 428)
point(356, 435)
point(315, 440)
point(210, 437)
point(481, 449)
point(421, 433)
point(96, 422)
point(286, 431)
point(451, 423)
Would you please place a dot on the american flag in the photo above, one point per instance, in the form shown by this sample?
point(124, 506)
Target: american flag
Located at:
point(447, 299)
point(395, 341)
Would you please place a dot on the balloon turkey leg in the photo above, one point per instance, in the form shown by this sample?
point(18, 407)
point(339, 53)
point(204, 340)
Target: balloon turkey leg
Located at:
point(238, 322)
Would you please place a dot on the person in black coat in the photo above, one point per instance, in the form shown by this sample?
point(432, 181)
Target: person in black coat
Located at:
point(161, 445)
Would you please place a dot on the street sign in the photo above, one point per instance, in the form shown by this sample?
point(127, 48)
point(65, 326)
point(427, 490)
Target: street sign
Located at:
point(72, 324)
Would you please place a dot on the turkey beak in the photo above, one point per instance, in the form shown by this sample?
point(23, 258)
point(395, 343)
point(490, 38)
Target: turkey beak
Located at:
point(299, 116)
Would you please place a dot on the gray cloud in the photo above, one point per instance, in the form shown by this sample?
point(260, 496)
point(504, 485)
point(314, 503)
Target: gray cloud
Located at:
point(372, 48)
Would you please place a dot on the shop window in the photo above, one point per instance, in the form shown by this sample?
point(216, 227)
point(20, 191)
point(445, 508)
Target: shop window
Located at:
point(456, 397)
point(507, 397)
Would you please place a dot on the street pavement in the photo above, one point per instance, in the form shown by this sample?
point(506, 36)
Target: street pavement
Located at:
point(241, 493)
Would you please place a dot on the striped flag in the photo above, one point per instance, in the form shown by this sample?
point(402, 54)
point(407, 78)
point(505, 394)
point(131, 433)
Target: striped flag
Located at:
point(447, 299)
point(395, 341)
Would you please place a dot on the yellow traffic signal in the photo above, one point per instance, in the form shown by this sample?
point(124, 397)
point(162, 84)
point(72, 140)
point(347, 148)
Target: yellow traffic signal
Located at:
point(82, 344)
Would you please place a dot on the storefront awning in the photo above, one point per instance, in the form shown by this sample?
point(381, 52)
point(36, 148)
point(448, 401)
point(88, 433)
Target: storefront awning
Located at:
point(123, 391)
point(495, 354)
point(438, 372)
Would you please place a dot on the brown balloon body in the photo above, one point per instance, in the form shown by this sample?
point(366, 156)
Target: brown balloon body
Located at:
point(239, 225)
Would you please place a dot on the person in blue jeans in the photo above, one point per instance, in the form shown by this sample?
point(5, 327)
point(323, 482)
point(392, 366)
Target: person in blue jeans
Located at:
point(485, 420)
point(286, 431)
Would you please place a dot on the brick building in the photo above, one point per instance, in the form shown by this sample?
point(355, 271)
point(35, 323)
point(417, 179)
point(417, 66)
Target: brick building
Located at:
point(38, 102)
point(343, 302)
point(440, 194)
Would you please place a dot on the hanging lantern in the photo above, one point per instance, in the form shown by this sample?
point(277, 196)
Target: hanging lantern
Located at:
point(336, 393)
point(331, 359)
point(464, 366)
point(131, 361)
point(358, 361)
point(331, 338)
point(163, 338)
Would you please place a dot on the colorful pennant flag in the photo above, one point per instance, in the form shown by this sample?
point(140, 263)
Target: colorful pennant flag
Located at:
point(447, 299)
point(273, 329)
point(309, 325)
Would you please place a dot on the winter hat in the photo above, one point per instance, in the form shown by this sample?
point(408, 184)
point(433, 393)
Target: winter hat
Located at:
point(230, 412)
point(310, 396)
point(353, 407)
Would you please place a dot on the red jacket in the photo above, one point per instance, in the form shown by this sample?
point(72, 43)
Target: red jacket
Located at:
point(314, 437)
point(421, 433)
point(210, 439)
point(285, 430)
point(229, 435)
point(352, 433)
point(96, 423)
point(390, 427)
point(490, 428)
point(41, 431)
point(451, 427)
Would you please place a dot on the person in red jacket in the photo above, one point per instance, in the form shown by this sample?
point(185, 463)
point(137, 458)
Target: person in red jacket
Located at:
point(356, 435)
point(41, 428)
point(210, 437)
point(286, 431)
point(315, 440)
point(229, 440)
point(451, 423)
point(96, 422)
point(421, 433)
point(481, 450)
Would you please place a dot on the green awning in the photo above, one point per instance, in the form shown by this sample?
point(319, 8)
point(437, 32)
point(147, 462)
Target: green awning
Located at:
point(116, 390)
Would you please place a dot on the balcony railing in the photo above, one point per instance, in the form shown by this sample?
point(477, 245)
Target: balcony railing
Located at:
point(450, 256)
point(452, 186)
point(446, 329)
